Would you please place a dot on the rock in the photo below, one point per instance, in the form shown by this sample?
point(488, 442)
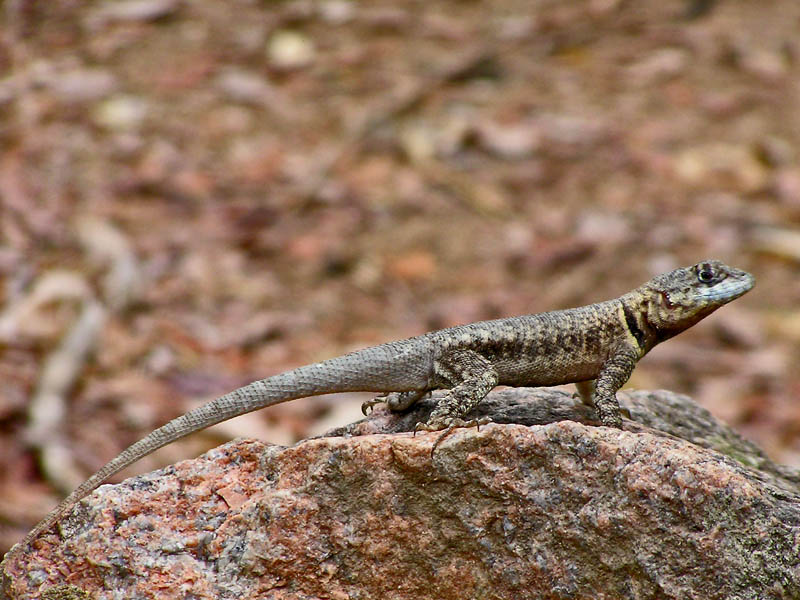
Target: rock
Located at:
point(675, 506)
point(290, 50)
point(121, 113)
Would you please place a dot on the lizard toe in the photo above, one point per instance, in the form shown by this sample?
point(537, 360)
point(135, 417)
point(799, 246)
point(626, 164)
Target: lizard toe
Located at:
point(369, 405)
point(433, 425)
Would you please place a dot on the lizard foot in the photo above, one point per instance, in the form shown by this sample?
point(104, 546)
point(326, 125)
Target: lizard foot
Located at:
point(610, 419)
point(396, 401)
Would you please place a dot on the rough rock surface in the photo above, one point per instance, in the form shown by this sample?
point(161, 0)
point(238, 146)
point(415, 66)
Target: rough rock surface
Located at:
point(562, 509)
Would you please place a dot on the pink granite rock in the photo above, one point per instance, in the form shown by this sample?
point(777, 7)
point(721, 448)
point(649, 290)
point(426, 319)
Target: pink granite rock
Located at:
point(560, 510)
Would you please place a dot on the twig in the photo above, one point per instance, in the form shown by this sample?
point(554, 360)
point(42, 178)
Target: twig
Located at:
point(47, 410)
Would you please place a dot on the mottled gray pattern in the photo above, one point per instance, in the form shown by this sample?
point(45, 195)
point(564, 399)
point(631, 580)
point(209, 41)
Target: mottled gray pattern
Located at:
point(600, 342)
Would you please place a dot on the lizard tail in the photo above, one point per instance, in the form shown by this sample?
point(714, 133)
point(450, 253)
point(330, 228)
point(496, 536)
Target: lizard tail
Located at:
point(396, 366)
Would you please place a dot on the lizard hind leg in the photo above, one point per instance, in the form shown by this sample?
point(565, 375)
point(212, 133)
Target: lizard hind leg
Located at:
point(474, 377)
point(396, 401)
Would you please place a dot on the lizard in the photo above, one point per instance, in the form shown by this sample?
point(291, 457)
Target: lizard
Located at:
point(594, 346)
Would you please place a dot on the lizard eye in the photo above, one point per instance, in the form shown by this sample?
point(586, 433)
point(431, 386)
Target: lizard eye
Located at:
point(705, 273)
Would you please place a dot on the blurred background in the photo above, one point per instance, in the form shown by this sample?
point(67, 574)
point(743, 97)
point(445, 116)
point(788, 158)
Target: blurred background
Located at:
point(196, 194)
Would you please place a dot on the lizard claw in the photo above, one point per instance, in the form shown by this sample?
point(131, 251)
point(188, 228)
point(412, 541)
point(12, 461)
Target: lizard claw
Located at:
point(368, 406)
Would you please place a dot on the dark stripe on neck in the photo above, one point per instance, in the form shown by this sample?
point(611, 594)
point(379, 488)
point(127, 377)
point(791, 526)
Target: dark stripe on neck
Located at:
point(633, 326)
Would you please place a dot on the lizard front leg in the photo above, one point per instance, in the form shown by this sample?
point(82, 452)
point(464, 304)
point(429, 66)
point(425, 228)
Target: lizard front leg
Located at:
point(613, 375)
point(472, 377)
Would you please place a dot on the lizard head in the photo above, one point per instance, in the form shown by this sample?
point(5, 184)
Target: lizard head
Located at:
point(679, 299)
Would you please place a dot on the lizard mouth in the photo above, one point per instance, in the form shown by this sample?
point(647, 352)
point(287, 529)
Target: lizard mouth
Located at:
point(729, 288)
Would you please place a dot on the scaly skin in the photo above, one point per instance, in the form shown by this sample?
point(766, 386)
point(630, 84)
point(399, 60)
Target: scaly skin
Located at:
point(596, 346)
